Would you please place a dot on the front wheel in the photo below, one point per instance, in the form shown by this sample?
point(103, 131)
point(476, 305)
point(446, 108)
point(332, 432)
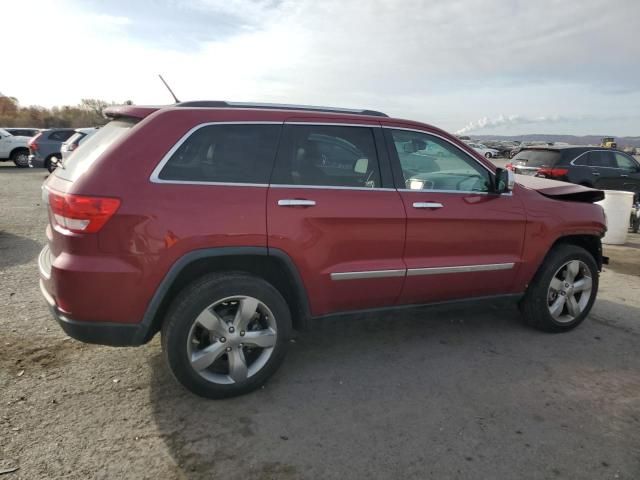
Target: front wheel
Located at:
point(562, 291)
point(226, 334)
point(488, 155)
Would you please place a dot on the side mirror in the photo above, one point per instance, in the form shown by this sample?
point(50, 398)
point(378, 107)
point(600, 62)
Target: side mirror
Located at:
point(504, 181)
point(361, 166)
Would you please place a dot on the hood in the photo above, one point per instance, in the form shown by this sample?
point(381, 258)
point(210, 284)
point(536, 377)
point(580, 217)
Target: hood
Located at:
point(560, 190)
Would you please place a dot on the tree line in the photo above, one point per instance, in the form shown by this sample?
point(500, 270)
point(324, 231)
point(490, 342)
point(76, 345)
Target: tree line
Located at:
point(88, 113)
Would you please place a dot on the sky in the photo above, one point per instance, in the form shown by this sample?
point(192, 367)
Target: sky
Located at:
point(503, 67)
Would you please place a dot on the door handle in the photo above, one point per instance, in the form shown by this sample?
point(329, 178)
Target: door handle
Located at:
point(427, 205)
point(296, 202)
point(624, 176)
point(595, 174)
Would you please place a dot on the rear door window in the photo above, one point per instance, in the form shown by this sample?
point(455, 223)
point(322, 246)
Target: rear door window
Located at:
point(537, 158)
point(601, 159)
point(93, 148)
point(61, 135)
point(223, 154)
point(327, 155)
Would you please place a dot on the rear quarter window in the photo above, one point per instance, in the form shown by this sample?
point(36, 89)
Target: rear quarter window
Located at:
point(83, 158)
point(60, 135)
point(537, 158)
point(223, 154)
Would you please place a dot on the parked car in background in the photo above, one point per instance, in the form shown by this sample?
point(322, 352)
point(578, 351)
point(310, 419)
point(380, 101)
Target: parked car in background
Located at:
point(46, 145)
point(484, 150)
point(235, 223)
point(23, 132)
point(14, 148)
point(74, 141)
point(589, 166)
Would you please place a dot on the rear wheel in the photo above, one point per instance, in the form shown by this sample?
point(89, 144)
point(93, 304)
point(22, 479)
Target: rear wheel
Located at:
point(563, 291)
point(226, 334)
point(20, 157)
point(488, 155)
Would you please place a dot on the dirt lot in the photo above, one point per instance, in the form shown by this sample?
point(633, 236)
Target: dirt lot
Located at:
point(429, 393)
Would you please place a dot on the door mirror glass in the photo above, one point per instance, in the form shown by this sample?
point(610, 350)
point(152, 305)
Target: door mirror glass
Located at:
point(361, 166)
point(505, 180)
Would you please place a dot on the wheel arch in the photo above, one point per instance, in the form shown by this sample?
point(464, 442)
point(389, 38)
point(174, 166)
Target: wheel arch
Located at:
point(591, 243)
point(17, 149)
point(273, 265)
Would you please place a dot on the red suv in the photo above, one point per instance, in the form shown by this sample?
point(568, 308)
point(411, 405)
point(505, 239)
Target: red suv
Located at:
point(224, 225)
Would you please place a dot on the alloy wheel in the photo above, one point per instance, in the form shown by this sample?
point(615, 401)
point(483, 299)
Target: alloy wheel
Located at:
point(232, 339)
point(570, 291)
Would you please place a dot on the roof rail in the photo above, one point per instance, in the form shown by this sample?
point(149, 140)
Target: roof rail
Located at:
point(276, 106)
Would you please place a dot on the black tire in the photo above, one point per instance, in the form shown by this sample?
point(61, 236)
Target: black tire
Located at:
point(197, 297)
point(488, 155)
point(635, 224)
point(20, 157)
point(535, 307)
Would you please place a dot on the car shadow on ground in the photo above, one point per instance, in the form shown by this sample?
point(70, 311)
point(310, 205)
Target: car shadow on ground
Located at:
point(392, 395)
point(16, 250)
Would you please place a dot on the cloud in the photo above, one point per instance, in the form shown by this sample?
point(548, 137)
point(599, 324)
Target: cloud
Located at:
point(486, 123)
point(442, 62)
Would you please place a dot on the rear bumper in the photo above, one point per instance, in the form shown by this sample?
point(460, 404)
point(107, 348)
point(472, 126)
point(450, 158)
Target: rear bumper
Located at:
point(99, 330)
point(101, 333)
point(36, 161)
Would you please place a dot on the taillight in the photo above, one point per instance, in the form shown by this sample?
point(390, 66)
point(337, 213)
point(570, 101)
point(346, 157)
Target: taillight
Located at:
point(510, 166)
point(552, 172)
point(80, 213)
point(33, 144)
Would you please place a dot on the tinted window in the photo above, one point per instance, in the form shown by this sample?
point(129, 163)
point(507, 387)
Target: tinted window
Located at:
point(537, 158)
point(18, 132)
point(224, 153)
point(429, 163)
point(600, 158)
point(91, 150)
point(61, 135)
point(625, 162)
point(328, 156)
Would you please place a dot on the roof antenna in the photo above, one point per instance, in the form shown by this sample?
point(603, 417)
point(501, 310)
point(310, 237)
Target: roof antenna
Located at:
point(169, 88)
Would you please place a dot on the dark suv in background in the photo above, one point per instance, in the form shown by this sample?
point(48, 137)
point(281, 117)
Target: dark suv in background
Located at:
point(46, 145)
point(596, 167)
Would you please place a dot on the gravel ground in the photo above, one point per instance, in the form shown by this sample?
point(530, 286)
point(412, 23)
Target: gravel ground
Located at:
point(431, 393)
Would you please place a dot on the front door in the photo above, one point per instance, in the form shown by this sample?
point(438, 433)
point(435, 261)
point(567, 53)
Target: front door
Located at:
point(629, 173)
point(462, 240)
point(334, 211)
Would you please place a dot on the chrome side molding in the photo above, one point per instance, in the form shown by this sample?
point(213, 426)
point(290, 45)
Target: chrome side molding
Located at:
point(413, 272)
point(367, 274)
point(459, 269)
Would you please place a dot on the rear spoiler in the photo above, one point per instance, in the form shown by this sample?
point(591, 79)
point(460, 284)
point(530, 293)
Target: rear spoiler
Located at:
point(129, 111)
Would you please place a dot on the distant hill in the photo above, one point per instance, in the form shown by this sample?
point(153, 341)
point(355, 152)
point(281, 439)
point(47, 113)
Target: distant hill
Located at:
point(571, 139)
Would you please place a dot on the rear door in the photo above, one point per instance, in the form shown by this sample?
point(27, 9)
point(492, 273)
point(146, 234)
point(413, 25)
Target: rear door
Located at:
point(603, 168)
point(462, 241)
point(332, 208)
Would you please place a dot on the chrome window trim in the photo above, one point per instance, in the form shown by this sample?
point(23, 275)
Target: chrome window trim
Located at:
point(602, 150)
point(441, 138)
point(413, 272)
point(329, 187)
point(338, 276)
point(466, 192)
point(334, 124)
point(155, 175)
